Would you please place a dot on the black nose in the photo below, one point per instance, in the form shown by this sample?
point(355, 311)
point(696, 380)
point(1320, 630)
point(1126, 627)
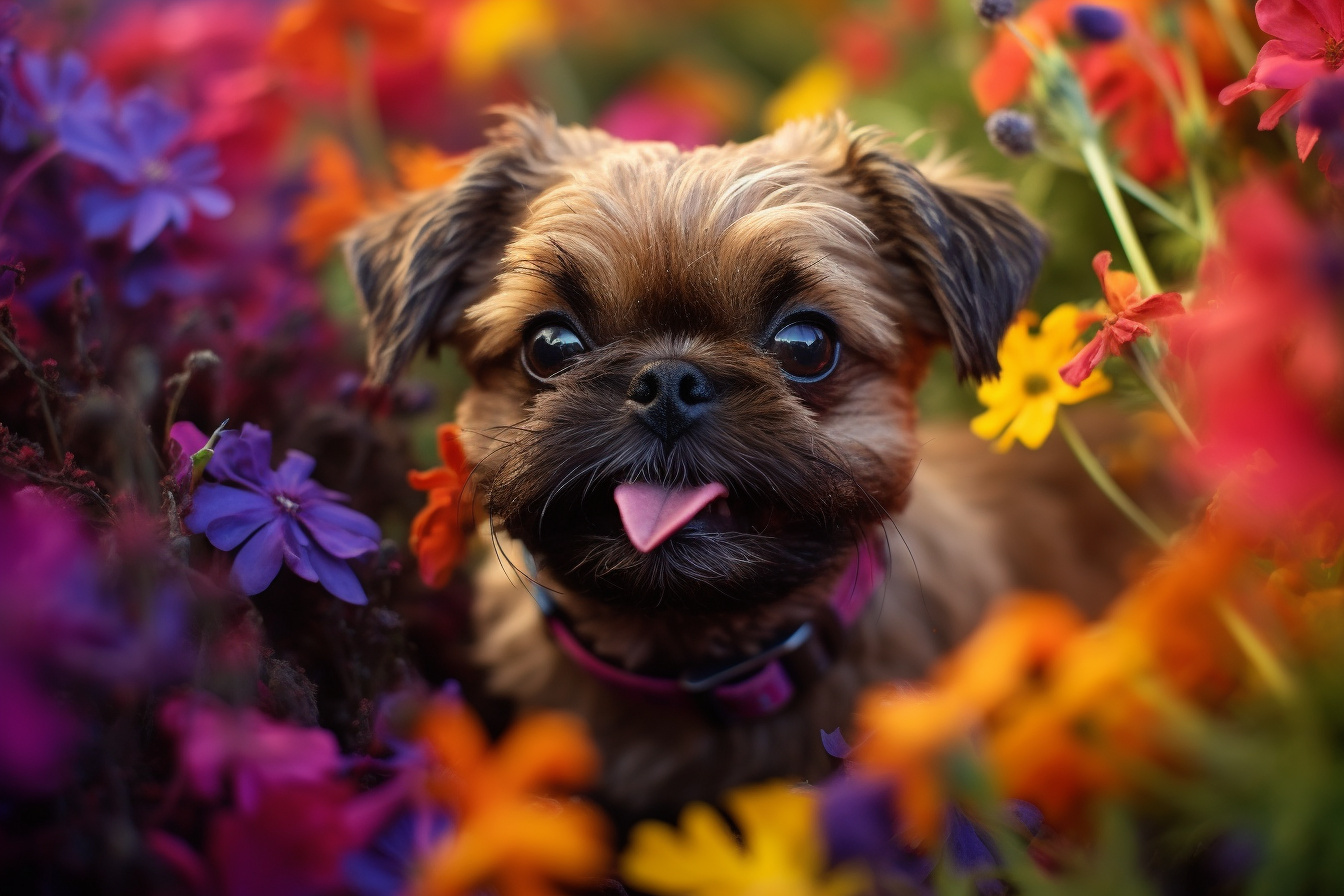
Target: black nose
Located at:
point(668, 396)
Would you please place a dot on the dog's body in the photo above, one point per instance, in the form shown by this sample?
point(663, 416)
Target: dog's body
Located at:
point(738, 331)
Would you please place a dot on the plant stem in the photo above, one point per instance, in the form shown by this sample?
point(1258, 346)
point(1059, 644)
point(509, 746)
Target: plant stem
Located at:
point(23, 173)
point(1229, 23)
point(30, 369)
point(1100, 169)
point(1259, 653)
point(1154, 384)
point(1135, 188)
point(365, 125)
point(1108, 486)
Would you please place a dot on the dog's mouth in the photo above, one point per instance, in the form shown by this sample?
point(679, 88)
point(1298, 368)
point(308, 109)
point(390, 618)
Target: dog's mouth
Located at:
point(652, 513)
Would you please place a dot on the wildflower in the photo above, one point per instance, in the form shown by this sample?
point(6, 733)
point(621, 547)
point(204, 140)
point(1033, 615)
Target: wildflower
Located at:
point(1099, 24)
point(1003, 73)
point(1126, 321)
point(315, 35)
point(54, 100)
point(253, 752)
point(424, 167)
point(437, 531)
point(166, 179)
point(1310, 45)
point(815, 89)
point(1123, 90)
point(1011, 133)
point(337, 200)
point(489, 33)
point(1023, 401)
point(991, 12)
point(780, 850)
point(514, 828)
point(278, 516)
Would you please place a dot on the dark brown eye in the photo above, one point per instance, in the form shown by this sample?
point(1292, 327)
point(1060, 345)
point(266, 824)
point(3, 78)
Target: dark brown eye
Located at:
point(805, 350)
point(549, 349)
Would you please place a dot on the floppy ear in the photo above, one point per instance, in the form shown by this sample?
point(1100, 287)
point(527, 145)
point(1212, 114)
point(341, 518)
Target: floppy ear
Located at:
point(419, 265)
point(973, 253)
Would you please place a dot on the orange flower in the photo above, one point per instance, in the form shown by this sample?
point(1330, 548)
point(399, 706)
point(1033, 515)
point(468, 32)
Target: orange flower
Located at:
point(1002, 75)
point(1126, 321)
point(315, 35)
point(337, 200)
point(516, 830)
point(437, 532)
point(424, 167)
point(907, 732)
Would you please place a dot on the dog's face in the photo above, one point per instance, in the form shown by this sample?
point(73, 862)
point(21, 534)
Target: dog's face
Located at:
point(694, 372)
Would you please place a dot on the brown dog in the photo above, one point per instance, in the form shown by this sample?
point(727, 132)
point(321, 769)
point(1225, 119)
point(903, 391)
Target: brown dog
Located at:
point(692, 419)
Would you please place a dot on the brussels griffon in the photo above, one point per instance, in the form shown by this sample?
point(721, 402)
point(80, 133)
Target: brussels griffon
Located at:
point(692, 425)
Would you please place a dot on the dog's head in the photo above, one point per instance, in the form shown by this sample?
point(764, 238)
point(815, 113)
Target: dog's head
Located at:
point(694, 372)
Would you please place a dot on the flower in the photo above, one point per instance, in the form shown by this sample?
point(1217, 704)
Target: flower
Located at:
point(1100, 24)
point(281, 515)
point(487, 34)
point(424, 167)
point(780, 851)
point(54, 100)
point(166, 179)
point(815, 89)
point(1121, 83)
point(437, 531)
point(315, 35)
point(337, 199)
point(1124, 324)
point(1011, 133)
point(216, 742)
point(514, 828)
point(1026, 396)
point(1310, 44)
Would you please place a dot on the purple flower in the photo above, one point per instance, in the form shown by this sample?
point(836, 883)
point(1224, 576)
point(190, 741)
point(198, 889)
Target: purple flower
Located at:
point(163, 179)
point(278, 516)
point(55, 99)
point(1099, 24)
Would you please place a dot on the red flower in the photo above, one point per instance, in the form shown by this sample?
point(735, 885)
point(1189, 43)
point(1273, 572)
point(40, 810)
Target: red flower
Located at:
point(1126, 321)
point(437, 532)
point(1125, 93)
point(1310, 44)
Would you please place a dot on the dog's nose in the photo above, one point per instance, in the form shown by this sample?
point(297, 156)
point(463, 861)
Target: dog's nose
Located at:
point(669, 395)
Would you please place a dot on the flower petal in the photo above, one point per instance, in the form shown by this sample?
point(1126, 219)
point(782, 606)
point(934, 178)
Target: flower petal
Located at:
point(340, 531)
point(294, 470)
point(153, 210)
point(1287, 72)
point(1084, 362)
point(299, 550)
point(227, 532)
point(1035, 421)
point(337, 577)
point(213, 501)
point(257, 564)
point(211, 201)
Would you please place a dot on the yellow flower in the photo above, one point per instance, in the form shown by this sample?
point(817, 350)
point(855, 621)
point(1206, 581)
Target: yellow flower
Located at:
point(491, 33)
point(815, 89)
point(1024, 399)
point(781, 852)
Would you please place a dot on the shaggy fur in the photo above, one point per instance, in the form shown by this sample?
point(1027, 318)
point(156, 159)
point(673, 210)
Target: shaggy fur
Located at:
point(650, 253)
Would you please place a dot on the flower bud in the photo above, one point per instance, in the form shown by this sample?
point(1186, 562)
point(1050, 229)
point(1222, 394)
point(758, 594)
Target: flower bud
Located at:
point(1099, 24)
point(1012, 133)
point(992, 12)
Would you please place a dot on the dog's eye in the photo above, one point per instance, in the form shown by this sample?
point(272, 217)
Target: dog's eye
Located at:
point(806, 351)
point(549, 350)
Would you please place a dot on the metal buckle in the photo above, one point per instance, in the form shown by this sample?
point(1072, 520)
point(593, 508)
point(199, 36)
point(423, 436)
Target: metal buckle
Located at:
point(703, 682)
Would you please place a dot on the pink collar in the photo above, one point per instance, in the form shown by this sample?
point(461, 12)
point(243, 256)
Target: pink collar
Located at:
point(752, 688)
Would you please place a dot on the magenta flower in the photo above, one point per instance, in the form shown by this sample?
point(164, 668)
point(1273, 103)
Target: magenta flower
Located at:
point(1310, 44)
point(163, 179)
point(279, 516)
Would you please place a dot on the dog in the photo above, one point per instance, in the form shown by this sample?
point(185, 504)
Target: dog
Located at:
point(692, 427)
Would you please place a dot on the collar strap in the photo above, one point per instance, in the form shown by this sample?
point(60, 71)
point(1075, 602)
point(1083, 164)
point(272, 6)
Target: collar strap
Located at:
point(752, 688)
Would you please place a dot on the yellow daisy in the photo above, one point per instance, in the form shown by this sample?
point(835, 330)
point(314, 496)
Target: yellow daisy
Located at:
point(1023, 401)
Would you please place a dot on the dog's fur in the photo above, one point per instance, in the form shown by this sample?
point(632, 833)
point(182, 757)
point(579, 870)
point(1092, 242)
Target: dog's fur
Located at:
point(655, 253)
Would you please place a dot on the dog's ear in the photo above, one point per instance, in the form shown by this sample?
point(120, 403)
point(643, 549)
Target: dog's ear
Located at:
point(417, 266)
point(974, 255)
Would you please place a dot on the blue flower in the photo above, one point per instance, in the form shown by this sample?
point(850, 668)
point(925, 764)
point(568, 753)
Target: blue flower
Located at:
point(164, 179)
point(54, 100)
point(279, 516)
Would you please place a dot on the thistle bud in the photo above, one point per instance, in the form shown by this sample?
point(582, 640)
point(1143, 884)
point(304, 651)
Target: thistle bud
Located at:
point(1012, 133)
point(991, 12)
point(1099, 24)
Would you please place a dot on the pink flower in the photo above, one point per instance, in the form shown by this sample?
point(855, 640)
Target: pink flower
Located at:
point(216, 742)
point(1126, 321)
point(1310, 44)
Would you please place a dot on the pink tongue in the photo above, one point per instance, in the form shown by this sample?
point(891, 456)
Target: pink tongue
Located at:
point(651, 513)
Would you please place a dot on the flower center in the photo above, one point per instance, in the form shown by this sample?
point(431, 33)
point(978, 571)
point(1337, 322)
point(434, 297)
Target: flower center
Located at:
point(1334, 52)
point(156, 171)
point(1036, 384)
point(288, 505)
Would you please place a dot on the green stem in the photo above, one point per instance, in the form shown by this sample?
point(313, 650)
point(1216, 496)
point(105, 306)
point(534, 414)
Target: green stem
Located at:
point(1108, 485)
point(1259, 653)
point(1100, 169)
point(365, 125)
point(1135, 188)
point(1154, 384)
point(1229, 23)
